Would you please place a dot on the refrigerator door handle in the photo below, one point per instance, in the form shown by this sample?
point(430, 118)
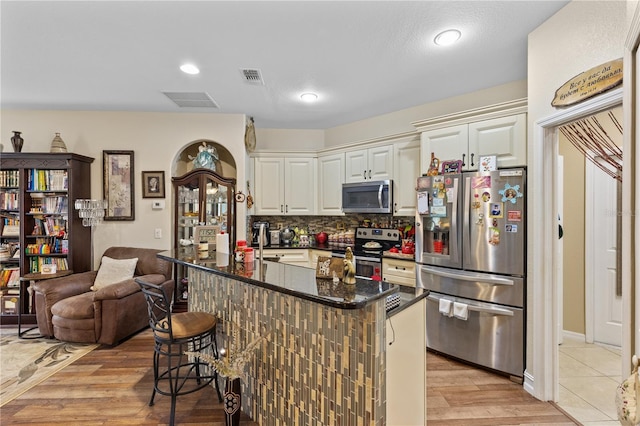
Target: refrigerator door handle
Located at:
point(468, 277)
point(495, 311)
point(466, 242)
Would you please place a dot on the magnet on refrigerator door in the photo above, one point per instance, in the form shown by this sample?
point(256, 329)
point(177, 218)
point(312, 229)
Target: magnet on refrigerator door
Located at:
point(494, 238)
point(510, 193)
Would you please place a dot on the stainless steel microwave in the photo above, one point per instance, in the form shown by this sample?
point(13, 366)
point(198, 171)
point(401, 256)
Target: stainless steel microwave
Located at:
point(368, 197)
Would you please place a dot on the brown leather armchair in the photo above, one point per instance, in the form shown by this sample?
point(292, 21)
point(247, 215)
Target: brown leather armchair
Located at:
point(67, 308)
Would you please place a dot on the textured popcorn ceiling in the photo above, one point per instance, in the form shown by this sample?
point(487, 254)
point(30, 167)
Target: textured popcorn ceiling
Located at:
point(362, 58)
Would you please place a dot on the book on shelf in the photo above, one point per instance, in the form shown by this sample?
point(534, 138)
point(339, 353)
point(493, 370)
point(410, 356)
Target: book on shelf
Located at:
point(47, 180)
point(9, 178)
point(50, 226)
point(9, 201)
point(10, 277)
point(36, 263)
point(10, 230)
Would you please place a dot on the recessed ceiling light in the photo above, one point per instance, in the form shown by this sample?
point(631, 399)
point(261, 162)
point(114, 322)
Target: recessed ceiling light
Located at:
point(309, 97)
point(447, 37)
point(189, 69)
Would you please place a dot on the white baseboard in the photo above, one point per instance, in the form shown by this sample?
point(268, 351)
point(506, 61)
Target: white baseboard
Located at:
point(528, 383)
point(574, 335)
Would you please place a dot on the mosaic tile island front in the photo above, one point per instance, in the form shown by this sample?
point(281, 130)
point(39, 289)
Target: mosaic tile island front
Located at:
point(323, 357)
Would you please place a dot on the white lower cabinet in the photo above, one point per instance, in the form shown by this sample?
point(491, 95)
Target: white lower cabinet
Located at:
point(398, 271)
point(299, 257)
point(406, 373)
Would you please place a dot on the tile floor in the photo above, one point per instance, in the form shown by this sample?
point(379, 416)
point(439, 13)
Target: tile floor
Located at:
point(589, 376)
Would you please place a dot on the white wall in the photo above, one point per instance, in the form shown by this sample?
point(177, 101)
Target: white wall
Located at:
point(289, 139)
point(580, 36)
point(155, 138)
point(400, 121)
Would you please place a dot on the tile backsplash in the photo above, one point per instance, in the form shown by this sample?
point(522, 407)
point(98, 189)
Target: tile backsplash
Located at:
point(330, 224)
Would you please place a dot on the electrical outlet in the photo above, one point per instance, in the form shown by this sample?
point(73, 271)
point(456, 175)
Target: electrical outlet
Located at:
point(157, 233)
point(280, 225)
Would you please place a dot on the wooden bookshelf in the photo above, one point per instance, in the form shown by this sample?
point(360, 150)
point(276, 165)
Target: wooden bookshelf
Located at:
point(39, 225)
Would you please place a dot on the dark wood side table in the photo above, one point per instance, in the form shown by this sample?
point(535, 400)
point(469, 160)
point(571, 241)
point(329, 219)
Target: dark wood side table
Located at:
point(25, 282)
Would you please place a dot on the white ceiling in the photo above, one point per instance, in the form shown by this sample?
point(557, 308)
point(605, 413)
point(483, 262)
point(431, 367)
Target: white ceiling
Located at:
point(363, 58)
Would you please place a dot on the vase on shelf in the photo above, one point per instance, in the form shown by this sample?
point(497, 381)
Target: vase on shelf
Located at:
point(231, 400)
point(57, 144)
point(17, 141)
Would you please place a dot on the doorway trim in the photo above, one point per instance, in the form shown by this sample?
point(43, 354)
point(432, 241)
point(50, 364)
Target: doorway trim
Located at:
point(542, 263)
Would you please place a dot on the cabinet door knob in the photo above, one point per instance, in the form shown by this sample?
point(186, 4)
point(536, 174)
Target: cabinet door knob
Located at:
point(472, 159)
point(281, 208)
point(286, 208)
point(364, 174)
point(463, 163)
point(395, 207)
point(369, 174)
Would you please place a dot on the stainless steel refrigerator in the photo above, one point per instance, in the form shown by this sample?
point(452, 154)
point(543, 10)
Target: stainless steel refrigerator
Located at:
point(470, 250)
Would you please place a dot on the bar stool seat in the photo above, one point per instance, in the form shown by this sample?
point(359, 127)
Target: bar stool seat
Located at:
point(174, 372)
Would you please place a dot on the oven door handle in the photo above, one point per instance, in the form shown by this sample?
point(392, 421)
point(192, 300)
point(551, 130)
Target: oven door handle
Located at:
point(494, 311)
point(488, 279)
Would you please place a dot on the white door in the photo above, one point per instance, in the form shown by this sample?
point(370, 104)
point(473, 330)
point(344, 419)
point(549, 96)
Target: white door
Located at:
point(601, 270)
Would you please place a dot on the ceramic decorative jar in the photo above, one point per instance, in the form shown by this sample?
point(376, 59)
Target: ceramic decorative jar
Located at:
point(17, 141)
point(57, 144)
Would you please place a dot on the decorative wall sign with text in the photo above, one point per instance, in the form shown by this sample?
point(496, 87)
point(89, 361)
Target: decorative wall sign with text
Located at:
point(589, 83)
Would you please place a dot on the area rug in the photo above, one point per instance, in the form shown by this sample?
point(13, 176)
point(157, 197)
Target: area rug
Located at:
point(26, 362)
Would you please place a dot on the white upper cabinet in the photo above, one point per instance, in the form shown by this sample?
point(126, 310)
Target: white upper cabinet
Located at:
point(268, 186)
point(499, 130)
point(406, 171)
point(369, 164)
point(505, 137)
point(330, 179)
point(450, 143)
point(285, 185)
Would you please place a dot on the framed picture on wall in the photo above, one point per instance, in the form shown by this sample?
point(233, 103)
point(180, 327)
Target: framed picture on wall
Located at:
point(118, 184)
point(153, 184)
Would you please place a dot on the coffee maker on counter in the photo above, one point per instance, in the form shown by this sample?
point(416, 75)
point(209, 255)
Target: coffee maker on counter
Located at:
point(255, 234)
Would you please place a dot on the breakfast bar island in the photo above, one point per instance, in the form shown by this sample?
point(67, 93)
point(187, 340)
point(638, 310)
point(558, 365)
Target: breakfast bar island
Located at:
point(332, 354)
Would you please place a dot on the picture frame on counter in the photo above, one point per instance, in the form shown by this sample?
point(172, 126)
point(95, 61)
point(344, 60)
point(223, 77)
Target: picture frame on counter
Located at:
point(328, 266)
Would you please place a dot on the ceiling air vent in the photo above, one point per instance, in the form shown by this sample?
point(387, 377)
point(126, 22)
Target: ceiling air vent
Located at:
point(252, 76)
point(192, 99)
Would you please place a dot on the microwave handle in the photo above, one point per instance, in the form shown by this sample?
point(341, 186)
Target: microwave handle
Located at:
point(380, 195)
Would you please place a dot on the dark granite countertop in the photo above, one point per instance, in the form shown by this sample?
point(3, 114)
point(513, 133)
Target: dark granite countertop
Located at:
point(294, 280)
point(408, 296)
point(326, 246)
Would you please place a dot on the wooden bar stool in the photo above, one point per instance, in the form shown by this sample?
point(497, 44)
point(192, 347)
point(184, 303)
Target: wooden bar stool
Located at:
point(175, 373)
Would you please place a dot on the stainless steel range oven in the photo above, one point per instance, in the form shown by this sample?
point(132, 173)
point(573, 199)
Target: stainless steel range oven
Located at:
point(369, 244)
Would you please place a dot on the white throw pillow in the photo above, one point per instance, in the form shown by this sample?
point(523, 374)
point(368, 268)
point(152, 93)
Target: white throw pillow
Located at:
point(113, 271)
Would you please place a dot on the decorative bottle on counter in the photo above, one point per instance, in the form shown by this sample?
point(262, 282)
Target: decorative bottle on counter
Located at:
point(239, 251)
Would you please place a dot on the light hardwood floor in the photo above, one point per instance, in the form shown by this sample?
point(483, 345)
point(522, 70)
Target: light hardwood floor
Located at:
point(111, 386)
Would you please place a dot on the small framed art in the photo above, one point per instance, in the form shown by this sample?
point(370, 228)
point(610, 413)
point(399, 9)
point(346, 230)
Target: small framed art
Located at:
point(153, 184)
